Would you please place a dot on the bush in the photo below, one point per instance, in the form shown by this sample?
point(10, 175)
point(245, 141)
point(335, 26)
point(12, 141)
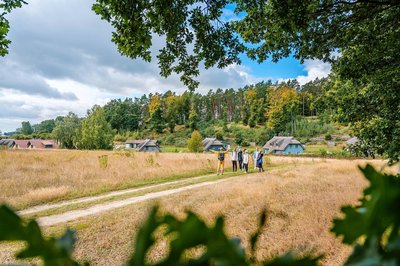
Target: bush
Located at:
point(219, 135)
point(195, 142)
point(208, 131)
point(180, 142)
point(323, 152)
point(103, 161)
point(328, 137)
point(238, 138)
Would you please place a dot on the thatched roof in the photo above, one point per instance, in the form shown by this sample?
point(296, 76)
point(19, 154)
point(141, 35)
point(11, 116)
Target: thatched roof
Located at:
point(280, 143)
point(208, 142)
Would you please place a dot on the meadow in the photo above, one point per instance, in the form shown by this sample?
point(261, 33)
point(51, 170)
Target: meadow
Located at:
point(31, 177)
point(301, 195)
point(301, 199)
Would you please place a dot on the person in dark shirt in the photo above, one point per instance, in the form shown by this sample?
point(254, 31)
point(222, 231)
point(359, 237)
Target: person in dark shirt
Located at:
point(221, 160)
point(240, 159)
point(260, 161)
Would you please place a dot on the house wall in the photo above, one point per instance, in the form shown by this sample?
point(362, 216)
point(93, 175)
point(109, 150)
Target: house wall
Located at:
point(290, 149)
point(129, 145)
point(151, 149)
point(293, 149)
point(216, 147)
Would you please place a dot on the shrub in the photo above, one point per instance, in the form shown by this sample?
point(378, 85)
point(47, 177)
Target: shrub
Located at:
point(103, 161)
point(328, 137)
point(219, 135)
point(180, 142)
point(238, 138)
point(323, 152)
point(208, 131)
point(194, 143)
point(120, 137)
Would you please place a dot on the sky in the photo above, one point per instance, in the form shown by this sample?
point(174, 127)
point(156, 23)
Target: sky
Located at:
point(61, 59)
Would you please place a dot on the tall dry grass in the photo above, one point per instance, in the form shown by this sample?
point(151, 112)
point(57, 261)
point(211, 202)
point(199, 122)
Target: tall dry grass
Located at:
point(30, 177)
point(301, 201)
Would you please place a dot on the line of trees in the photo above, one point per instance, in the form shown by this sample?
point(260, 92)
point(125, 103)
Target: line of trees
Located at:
point(266, 104)
point(276, 107)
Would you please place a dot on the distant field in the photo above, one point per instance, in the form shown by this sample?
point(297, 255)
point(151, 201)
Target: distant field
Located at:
point(32, 177)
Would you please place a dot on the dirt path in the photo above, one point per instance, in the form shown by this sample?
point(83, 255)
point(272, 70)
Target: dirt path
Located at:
point(102, 207)
point(45, 207)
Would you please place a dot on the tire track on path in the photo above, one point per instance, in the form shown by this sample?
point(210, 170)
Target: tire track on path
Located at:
point(103, 207)
point(49, 206)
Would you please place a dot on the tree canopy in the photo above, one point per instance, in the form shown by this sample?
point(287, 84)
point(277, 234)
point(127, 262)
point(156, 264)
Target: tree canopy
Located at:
point(95, 132)
point(361, 38)
point(6, 6)
point(365, 32)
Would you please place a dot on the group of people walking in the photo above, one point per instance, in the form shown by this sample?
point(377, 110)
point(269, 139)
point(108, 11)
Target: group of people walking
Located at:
point(240, 158)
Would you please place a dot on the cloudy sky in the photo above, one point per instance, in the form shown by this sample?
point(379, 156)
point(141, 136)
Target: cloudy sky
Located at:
point(62, 59)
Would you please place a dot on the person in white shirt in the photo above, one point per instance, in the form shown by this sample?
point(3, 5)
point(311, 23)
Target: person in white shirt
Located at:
point(246, 158)
point(255, 155)
point(234, 160)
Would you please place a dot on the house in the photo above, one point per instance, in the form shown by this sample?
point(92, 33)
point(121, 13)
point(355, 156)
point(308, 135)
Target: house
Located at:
point(133, 143)
point(7, 143)
point(283, 145)
point(28, 144)
point(21, 144)
point(214, 144)
point(146, 145)
point(42, 144)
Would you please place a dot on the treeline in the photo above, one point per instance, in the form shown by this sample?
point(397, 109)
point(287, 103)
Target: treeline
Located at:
point(276, 108)
point(264, 104)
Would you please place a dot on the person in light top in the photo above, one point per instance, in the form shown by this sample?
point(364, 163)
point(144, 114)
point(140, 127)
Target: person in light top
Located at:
point(255, 155)
point(246, 158)
point(234, 160)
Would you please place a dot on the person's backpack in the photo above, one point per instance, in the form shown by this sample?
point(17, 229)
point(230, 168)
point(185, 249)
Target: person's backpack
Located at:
point(221, 156)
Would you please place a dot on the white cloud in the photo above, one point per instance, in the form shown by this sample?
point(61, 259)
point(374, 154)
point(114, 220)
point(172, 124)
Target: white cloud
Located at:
point(315, 69)
point(62, 59)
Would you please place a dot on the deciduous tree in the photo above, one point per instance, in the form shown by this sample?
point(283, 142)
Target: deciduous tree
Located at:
point(360, 37)
point(26, 128)
point(96, 132)
point(6, 6)
point(195, 142)
point(66, 130)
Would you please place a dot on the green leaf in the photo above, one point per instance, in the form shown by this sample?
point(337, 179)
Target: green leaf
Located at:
point(145, 239)
point(53, 251)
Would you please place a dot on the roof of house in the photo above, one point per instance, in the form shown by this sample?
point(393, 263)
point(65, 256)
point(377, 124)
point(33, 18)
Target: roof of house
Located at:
point(208, 142)
point(22, 143)
point(280, 143)
point(352, 141)
point(143, 143)
point(9, 142)
point(41, 143)
point(148, 143)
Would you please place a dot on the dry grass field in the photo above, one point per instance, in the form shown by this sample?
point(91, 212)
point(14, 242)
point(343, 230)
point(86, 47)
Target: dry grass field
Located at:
point(302, 196)
point(301, 200)
point(31, 177)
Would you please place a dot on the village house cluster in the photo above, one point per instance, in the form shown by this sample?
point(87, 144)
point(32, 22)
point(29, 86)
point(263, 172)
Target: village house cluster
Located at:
point(28, 144)
point(277, 145)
